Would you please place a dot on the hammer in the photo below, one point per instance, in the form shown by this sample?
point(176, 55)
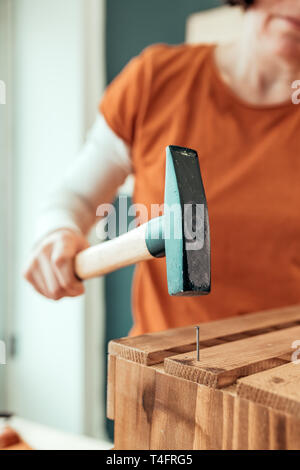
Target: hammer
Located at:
point(181, 234)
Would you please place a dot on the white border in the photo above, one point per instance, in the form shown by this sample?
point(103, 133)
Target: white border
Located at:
point(6, 168)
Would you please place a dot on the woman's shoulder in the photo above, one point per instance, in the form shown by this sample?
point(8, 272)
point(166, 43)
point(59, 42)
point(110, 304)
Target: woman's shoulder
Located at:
point(164, 53)
point(164, 65)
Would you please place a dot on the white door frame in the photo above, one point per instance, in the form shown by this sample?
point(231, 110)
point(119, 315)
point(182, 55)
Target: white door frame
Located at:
point(6, 182)
point(95, 78)
point(92, 57)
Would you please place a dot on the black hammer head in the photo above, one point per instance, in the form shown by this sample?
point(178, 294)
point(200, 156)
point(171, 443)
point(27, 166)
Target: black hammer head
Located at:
point(186, 225)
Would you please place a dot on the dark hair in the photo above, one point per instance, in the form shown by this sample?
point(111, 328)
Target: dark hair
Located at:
point(244, 3)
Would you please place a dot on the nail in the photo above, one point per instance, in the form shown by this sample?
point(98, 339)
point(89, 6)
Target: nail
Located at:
point(197, 328)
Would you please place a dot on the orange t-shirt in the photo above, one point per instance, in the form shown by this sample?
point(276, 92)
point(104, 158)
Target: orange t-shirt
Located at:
point(250, 162)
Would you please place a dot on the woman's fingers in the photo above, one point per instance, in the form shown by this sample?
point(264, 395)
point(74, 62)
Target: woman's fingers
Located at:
point(62, 260)
point(54, 290)
point(66, 278)
point(51, 268)
point(34, 278)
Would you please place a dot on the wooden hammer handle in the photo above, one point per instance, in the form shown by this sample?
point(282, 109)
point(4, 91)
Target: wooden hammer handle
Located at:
point(106, 257)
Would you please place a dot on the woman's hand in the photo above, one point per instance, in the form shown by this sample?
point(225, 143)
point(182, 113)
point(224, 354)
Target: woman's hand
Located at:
point(51, 266)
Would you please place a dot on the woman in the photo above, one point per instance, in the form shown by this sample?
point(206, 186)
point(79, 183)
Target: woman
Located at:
point(233, 104)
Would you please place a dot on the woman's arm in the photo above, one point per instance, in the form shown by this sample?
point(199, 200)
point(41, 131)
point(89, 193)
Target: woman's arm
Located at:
point(70, 211)
point(100, 168)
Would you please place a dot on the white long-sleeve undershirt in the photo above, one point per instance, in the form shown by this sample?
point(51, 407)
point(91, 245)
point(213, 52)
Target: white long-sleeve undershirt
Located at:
point(94, 178)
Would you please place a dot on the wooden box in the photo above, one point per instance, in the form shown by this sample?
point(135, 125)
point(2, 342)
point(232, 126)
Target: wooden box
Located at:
point(244, 393)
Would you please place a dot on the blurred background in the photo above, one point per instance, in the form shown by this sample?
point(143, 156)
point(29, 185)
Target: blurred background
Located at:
point(56, 59)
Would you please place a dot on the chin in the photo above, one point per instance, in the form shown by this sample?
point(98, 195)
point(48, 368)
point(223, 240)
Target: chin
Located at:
point(285, 40)
point(285, 44)
point(288, 49)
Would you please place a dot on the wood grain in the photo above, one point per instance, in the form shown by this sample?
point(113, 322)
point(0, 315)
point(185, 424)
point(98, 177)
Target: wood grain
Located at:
point(111, 380)
point(222, 365)
point(153, 348)
point(243, 394)
point(276, 388)
point(208, 419)
point(173, 419)
point(135, 392)
point(161, 412)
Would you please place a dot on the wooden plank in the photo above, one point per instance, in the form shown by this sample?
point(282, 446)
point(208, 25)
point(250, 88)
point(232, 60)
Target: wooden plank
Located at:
point(228, 420)
point(161, 412)
point(225, 421)
point(222, 365)
point(277, 388)
point(111, 379)
point(258, 427)
point(278, 430)
point(134, 393)
point(153, 348)
point(173, 419)
point(184, 404)
point(292, 433)
point(208, 419)
point(240, 431)
point(149, 410)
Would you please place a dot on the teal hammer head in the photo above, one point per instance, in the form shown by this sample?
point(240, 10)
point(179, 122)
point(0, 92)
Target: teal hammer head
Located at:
point(186, 226)
point(184, 235)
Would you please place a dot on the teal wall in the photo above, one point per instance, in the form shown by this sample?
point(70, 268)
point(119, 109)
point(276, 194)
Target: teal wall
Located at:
point(118, 301)
point(132, 25)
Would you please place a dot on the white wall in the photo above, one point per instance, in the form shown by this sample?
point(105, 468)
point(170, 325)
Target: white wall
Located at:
point(5, 180)
point(52, 106)
point(218, 25)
